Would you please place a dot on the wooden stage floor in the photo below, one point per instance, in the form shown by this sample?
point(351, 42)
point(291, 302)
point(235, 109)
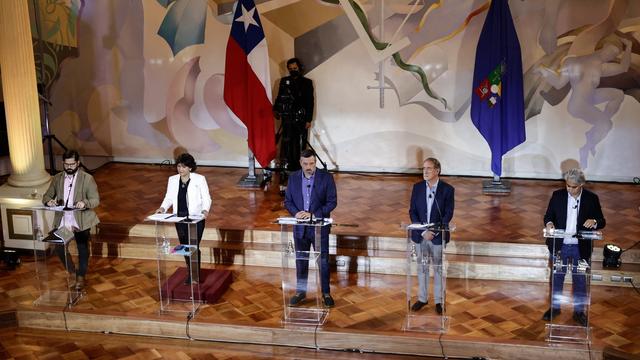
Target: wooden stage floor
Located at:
point(498, 313)
point(494, 312)
point(378, 204)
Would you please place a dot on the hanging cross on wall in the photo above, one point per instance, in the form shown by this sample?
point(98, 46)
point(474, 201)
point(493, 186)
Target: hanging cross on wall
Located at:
point(377, 55)
point(381, 87)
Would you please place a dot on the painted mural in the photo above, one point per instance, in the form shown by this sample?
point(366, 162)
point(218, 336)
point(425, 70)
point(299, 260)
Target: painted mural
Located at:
point(393, 84)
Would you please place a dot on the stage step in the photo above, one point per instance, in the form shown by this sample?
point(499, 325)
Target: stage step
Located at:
point(145, 234)
point(363, 254)
point(326, 338)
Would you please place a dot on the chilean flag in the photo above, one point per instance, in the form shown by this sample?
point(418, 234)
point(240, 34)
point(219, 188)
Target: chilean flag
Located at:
point(247, 85)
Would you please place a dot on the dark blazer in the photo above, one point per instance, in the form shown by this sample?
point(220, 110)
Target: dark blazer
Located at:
point(441, 210)
point(557, 213)
point(301, 92)
point(323, 196)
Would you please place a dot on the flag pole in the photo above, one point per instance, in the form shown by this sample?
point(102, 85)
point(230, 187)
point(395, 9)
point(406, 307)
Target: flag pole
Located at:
point(496, 186)
point(251, 180)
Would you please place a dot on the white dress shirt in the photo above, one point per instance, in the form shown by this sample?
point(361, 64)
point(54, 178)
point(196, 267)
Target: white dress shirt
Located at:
point(573, 207)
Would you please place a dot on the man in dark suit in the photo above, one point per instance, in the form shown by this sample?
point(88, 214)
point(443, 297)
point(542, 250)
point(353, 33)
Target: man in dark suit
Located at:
point(294, 107)
point(432, 202)
point(311, 194)
point(576, 209)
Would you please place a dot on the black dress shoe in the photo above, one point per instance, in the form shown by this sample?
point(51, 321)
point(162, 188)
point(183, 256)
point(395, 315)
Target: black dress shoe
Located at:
point(549, 314)
point(79, 285)
point(297, 299)
point(439, 309)
point(418, 305)
point(328, 301)
point(580, 318)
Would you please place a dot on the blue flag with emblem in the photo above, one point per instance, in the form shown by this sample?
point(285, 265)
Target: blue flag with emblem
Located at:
point(497, 102)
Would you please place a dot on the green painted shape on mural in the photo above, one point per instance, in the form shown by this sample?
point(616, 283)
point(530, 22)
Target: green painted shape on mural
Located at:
point(396, 56)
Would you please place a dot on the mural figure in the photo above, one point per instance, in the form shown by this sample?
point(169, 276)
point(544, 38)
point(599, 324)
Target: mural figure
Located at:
point(184, 23)
point(584, 74)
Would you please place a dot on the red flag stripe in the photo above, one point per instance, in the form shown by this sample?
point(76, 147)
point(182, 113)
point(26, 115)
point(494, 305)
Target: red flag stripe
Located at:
point(246, 97)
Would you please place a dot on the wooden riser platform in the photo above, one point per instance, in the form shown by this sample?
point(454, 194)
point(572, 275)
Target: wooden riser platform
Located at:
point(380, 255)
point(497, 319)
point(324, 338)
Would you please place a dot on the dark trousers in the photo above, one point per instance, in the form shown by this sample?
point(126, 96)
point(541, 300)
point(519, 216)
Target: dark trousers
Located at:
point(303, 246)
point(570, 254)
point(183, 236)
point(82, 242)
point(294, 139)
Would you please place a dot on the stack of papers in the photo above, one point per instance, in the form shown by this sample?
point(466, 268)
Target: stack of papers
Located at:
point(165, 218)
point(419, 226)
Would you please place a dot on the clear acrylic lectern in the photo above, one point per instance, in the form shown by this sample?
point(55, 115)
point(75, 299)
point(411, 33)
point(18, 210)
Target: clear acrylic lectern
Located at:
point(301, 273)
point(52, 260)
point(570, 309)
point(419, 259)
point(178, 286)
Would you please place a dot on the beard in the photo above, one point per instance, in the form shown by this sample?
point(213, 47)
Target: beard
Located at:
point(71, 171)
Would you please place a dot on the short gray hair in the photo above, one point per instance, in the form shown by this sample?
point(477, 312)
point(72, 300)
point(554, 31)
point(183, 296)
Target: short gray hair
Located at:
point(576, 175)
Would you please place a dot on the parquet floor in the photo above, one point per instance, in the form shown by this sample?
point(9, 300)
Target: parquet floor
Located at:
point(478, 309)
point(26, 344)
point(378, 204)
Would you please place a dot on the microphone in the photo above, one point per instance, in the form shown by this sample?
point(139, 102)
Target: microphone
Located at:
point(576, 205)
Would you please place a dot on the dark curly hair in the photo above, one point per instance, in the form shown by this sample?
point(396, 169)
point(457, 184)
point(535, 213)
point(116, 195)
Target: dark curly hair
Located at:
point(71, 154)
point(187, 160)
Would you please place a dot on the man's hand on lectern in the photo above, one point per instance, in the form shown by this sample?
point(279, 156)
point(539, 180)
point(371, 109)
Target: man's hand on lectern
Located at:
point(590, 224)
point(550, 227)
point(428, 235)
point(303, 215)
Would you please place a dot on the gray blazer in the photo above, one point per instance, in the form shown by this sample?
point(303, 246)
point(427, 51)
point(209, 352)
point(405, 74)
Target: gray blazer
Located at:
point(85, 190)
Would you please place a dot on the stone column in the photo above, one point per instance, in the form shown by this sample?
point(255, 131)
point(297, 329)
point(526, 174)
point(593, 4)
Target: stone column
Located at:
point(22, 109)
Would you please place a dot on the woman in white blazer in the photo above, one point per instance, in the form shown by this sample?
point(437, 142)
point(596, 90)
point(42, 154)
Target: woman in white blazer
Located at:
point(188, 196)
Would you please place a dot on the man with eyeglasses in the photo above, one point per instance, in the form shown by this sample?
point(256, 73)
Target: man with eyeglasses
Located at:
point(575, 209)
point(74, 189)
point(432, 202)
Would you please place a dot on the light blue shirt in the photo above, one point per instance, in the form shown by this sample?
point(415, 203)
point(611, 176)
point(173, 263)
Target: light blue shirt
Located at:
point(307, 188)
point(431, 197)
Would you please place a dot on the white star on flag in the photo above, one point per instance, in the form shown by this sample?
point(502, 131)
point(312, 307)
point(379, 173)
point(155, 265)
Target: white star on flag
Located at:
point(247, 18)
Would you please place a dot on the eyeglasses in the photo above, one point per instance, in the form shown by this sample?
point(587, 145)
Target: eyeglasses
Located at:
point(70, 165)
point(573, 186)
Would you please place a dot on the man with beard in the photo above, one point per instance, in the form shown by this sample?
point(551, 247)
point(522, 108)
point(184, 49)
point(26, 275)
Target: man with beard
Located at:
point(75, 189)
point(294, 107)
point(311, 194)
